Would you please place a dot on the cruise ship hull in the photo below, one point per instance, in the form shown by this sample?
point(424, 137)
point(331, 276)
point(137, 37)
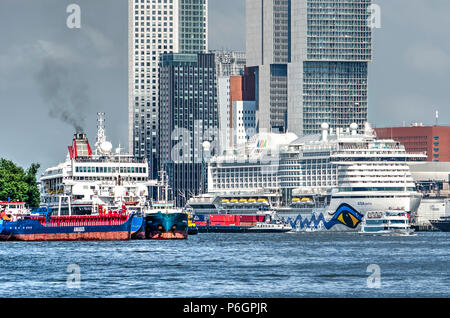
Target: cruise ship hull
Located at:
point(346, 214)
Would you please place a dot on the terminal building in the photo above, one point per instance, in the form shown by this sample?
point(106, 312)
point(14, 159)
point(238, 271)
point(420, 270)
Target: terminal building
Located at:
point(432, 178)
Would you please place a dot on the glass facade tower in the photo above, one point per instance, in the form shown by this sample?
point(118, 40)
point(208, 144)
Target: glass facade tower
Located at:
point(188, 116)
point(323, 48)
point(156, 27)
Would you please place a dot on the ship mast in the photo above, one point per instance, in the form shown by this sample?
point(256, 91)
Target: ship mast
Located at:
point(101, 138)
point(164, 183)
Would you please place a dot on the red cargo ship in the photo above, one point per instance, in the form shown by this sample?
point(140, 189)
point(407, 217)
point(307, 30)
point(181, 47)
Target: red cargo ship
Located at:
point(237, 223)
point(42, 226)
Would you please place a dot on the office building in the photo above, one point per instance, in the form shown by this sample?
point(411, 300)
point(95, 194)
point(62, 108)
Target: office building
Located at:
point(244, 121)
point(434, 141)
point(310, 58)
point(229, 63)
point(188, 117)
point(156, 27)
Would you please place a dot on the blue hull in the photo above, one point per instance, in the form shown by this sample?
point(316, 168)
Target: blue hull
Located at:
point(33, 230)
point(166, 226)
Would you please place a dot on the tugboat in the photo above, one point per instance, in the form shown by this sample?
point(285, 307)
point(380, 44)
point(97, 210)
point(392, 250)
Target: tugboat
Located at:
point(192, 227)
point(442, 224)
point(163, 221)
point(40, 225)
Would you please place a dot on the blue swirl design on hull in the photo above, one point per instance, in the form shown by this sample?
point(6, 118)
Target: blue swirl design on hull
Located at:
point(345, 215)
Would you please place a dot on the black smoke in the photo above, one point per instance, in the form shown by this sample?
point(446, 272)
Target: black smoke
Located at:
point(65, 95)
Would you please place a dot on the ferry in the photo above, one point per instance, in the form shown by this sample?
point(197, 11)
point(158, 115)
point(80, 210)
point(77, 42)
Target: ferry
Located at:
point(325, 182)
point(386, 222)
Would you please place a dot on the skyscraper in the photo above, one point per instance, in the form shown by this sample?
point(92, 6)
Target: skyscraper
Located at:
point(310, 58)
point(230, 66)
point(156, 27)
point(188, 117)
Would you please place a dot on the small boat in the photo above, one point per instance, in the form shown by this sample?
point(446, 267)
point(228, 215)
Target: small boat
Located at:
point(442, 224)
point(192, 227)
point(395, 222)
point(270, 227)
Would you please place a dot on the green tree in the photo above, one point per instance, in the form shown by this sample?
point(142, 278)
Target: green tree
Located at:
point(34, 195)
point(18, 184)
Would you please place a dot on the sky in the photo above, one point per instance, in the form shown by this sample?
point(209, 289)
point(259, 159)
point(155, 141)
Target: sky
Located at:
point(47, 69)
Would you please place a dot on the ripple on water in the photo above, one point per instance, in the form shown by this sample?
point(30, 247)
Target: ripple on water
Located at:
point(232, 265)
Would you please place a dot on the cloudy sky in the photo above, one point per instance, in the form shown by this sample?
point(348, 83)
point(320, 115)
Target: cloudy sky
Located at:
point(47, 69)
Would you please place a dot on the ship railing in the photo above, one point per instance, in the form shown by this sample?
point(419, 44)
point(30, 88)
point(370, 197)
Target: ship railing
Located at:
point(121, 159)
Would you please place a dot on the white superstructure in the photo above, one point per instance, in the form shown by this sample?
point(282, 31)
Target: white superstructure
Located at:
point(92, 178)
point(313, 175)
point(386, 222)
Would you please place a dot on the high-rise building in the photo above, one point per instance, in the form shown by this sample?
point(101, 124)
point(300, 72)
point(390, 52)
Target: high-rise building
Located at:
point(230, 71)
point(229, 63)
point(244, 121)
point(156, 27)
point(310, 58)
point(188, 117)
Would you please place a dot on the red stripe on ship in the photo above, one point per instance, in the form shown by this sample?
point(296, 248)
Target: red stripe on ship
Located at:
point(93, 236)
point(177, 235)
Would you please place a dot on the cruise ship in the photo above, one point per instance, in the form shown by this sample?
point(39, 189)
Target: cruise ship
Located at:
point(326, 181)
point(96, 179)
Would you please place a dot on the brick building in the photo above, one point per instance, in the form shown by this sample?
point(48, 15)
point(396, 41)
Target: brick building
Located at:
point(432, 140)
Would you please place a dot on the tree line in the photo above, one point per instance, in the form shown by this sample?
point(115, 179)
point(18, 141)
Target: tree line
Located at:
point(18, 184)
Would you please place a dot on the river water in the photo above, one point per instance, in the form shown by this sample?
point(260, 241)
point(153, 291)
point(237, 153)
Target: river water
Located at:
point(232, 265)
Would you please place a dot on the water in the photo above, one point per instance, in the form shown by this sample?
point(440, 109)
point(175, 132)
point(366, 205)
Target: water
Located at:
point(231, 265)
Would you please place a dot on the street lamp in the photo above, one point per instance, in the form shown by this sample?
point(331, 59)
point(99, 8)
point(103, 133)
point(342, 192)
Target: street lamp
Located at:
point(206, 147)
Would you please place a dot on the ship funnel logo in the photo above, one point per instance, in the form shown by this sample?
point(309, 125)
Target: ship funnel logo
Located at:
point(262, 144)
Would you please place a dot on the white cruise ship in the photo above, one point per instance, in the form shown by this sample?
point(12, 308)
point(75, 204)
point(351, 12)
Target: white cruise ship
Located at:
point(326, 181)
point(90, 179)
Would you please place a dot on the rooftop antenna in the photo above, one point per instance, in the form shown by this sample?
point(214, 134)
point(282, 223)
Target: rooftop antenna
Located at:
point(437, 117)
